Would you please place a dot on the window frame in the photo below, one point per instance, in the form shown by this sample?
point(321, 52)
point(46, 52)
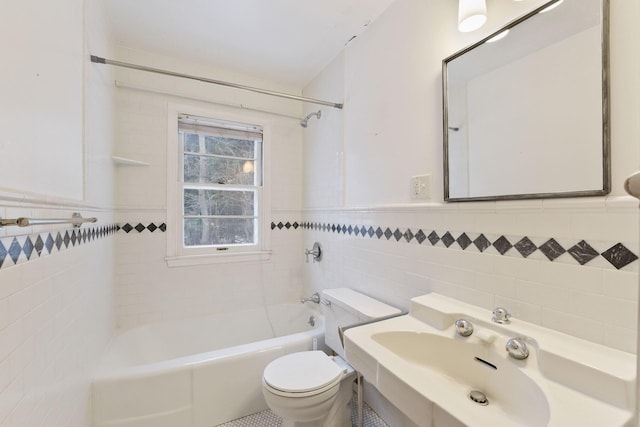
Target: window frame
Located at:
point(179, 255)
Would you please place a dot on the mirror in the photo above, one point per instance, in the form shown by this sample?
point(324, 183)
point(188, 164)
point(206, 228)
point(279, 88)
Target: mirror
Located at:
point(526, 115)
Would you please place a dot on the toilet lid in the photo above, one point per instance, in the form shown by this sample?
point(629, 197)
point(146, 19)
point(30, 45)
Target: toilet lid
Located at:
point(302, 372)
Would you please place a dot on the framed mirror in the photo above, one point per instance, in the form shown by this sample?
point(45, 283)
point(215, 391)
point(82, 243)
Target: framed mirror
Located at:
point(526, 111)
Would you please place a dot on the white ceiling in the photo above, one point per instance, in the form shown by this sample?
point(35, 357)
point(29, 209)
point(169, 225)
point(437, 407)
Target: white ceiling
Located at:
point(288, 41)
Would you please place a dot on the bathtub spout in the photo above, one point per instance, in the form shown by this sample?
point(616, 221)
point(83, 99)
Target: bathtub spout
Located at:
point(315, 298)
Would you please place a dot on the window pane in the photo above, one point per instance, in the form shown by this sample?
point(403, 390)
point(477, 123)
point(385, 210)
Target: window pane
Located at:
point(218, 202)
point(219, 231)
point(191, 142)
point(220, 146)
point(229, 147)
point(198, 169)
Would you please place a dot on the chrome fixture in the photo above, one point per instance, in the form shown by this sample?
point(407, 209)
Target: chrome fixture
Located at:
point(501, 315)
point(315, 252)
point(464, 328)
point(76, 219)
point(315, 298)
point(303, 122)
point(517, 348)
point(311, 321)
point(479, 397)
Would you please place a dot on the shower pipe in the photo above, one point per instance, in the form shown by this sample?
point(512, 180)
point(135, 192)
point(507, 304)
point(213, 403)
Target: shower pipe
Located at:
point(76, 219)
point(99, 60)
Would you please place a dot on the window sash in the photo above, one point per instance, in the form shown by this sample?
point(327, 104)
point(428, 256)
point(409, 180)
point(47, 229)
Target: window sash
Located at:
point(219, 156)
point(250, 191)
point(212, 127)
point(206, 235)
point(247, 134)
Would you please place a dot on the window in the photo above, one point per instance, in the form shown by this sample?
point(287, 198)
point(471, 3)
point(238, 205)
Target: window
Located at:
point(218, 198)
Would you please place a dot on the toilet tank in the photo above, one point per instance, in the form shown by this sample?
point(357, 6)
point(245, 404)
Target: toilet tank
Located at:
point(349, 307)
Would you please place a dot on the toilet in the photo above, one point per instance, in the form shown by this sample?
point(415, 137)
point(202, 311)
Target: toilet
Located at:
point(310, 388)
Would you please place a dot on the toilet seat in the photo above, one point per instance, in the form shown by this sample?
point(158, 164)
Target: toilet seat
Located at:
point(302, 374)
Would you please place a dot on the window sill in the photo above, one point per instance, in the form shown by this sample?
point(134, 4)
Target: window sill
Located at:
point(191, 260)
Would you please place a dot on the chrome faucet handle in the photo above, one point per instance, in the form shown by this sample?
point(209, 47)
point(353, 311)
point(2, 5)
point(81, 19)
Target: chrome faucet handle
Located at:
point(315, 252)
point(500, 315)
point(517, 348)
point(464, 328)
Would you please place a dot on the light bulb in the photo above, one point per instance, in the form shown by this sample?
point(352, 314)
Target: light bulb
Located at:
point(247, 167)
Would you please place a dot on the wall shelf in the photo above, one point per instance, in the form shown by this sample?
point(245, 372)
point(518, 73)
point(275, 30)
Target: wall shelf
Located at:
point(123, 161)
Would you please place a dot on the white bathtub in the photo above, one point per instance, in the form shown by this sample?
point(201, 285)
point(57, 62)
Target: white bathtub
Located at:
point(197, 372)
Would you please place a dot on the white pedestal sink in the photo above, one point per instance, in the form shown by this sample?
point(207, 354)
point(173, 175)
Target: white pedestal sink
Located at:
point(427, 370)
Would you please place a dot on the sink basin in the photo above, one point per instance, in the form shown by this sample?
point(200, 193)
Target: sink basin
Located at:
point(422, 366)
point(466, 367)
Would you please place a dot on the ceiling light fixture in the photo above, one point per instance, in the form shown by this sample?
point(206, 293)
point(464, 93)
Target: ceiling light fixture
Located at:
point(472, 14)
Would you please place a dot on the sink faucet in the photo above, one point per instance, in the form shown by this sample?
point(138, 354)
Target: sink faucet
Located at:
point(517, 348)
point(501, 315)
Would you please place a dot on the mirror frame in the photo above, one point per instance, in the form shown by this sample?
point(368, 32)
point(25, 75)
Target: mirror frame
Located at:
point(606, 137)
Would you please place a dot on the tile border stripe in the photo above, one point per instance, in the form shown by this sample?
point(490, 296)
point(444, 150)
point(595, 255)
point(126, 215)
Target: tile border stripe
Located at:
point(16, 250)
point(582, 252)
point(140, 227)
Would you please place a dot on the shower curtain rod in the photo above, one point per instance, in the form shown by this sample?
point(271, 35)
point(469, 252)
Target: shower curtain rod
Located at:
point(99, 60)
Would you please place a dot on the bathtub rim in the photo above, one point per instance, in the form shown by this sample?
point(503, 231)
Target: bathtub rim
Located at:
point(116, 373)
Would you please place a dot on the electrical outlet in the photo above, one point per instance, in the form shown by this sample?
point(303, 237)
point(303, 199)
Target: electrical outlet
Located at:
point(421, 187)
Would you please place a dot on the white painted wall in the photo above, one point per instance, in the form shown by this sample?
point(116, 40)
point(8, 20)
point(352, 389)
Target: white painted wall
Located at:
point(323, 142)
point(57, 312)
point(392, 129)
point(41, 85)
point(147, 290)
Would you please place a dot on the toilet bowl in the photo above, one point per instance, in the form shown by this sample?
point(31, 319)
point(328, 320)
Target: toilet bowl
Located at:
point(309, 389)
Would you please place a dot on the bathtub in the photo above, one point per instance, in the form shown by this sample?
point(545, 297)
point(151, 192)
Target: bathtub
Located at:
point(197, 372)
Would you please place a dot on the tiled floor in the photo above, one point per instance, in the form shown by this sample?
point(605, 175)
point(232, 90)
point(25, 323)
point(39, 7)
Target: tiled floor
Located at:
point(269, 419)
point(260, 419)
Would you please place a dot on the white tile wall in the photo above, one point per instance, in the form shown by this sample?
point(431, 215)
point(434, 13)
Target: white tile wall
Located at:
point(147, 290)
point(57, 312)
point(374, 140)
point(56, 316)
point(595, 302)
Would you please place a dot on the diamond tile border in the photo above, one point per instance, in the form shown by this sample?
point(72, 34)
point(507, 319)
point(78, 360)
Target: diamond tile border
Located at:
point(582, 252)
point(140, 227)
point(16, 250)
